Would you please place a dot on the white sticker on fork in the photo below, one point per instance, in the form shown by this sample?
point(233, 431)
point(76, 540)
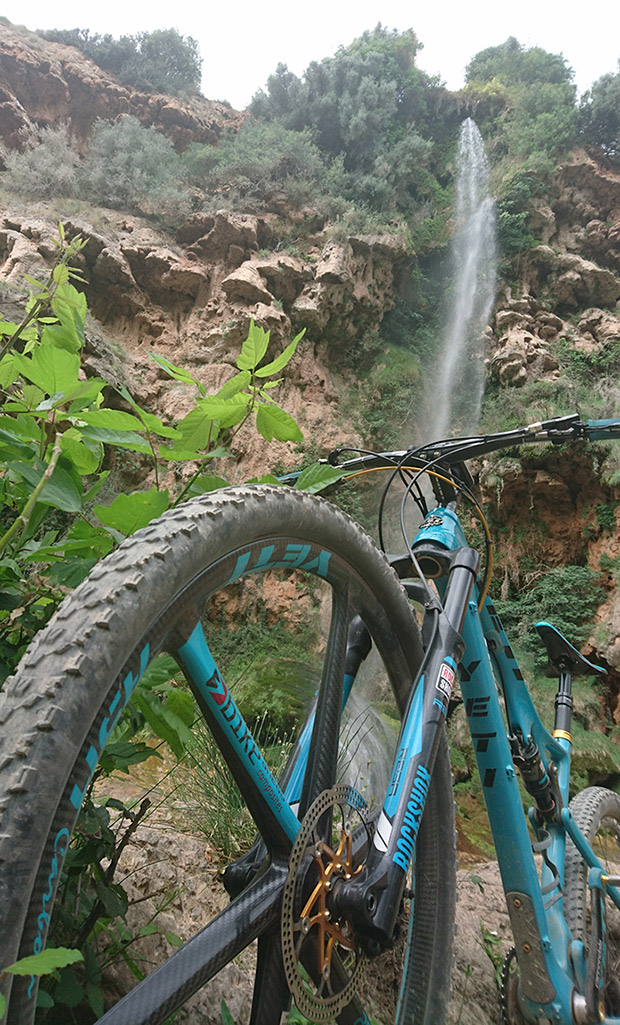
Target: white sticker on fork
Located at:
point(383, 831)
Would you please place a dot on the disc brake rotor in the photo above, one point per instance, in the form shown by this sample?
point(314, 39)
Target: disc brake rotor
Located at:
point(321, 961)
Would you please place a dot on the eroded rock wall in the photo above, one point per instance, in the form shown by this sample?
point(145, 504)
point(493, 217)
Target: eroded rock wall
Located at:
point(192, 301)
point(45, 84)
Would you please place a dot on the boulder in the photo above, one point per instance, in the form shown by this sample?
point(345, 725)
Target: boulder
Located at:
point(582, 282)
point(285, 275)
point(245, 285)
point(228, 231)
point(334, 266)
point(508, 366)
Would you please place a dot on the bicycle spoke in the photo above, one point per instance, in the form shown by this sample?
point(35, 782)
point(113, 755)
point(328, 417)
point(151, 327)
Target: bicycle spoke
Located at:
point(323, 755)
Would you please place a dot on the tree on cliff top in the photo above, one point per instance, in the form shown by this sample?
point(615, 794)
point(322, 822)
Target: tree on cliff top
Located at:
point(161, 61)
point(513, 64)
point(540, 115)
point(366, 97)
point(600, 112)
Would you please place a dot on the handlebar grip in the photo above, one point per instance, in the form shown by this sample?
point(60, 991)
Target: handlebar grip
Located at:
point(599, 430)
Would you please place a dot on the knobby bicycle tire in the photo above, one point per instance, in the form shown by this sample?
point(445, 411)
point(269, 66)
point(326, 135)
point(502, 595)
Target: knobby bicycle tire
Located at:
point(596, 811)
point(60, 701)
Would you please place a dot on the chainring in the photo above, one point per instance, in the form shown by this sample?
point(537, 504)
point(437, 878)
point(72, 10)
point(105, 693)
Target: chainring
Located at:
point(511, 1015)
point(321, 960)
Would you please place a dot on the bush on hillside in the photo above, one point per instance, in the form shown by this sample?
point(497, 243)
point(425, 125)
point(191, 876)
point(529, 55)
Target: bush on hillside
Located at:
point(46, 169)
point(126, 167)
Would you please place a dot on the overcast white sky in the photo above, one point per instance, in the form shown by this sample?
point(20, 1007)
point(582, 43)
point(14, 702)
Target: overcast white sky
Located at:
point(241, 42)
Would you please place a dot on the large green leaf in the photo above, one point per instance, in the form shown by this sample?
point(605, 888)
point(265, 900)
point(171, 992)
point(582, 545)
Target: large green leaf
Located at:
point(124, 439)
point(120, 755)
point(69, 306)
point(71, 571)
point(129, 513)
point(60, 336)
point(112, 419)
point(63, 490)
point(181, 703)
point(52, 370)
point(24, 424)
point(235, 384)
point(280, 361)
point(84, 454)
point(273, 422)
point(318, 476)
point(178, 373)
point(197, 428)
point(86, 393)
point(228, 411)
point(83, 539)
point(203, 484)
point(9, 370)
point(14, 447)
point(163, 721)
point(156, 426)
point(148, 420)
point(45, 962)
point(254, 348)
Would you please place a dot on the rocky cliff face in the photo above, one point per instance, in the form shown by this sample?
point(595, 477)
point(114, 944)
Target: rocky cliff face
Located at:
point(44, 84)
point(192, 300)
point(563, 311)
point(192, 297)
point(569, 286)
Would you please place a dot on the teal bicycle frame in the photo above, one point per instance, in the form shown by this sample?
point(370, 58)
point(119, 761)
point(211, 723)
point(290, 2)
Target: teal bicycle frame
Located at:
point(472, 642)
point(551, 963)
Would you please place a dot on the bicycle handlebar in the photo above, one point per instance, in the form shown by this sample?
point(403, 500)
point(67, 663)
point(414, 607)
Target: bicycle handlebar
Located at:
point(452, 451)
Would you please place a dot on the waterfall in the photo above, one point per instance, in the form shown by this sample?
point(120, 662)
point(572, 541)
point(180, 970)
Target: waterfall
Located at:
point(460, 373)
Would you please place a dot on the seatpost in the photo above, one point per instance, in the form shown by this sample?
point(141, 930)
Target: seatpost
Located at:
point(564, 704)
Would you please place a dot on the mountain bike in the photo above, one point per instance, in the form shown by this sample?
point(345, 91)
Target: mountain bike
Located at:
point(349, 891)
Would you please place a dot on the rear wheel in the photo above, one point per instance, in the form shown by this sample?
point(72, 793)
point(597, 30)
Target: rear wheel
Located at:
point(597, 813)
point(301, 570)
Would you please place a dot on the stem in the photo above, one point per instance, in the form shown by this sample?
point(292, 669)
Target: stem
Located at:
point(32, 315)
point(19, 525)
point(47, 294)
point(107, 875)
point(154, 454)
point(188, 486)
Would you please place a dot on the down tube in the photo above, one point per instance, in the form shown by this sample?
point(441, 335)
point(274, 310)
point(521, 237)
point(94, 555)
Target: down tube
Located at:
point(543, 982)
point(269, 808)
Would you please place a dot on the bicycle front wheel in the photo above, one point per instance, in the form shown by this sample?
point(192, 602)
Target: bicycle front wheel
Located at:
point(597, 813)
point(302, 571)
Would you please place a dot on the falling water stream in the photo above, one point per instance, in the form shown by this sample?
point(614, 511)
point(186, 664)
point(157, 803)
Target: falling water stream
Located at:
point(458, 386)
point(458, 383)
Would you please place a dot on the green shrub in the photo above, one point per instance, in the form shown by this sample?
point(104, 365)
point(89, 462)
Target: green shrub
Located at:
point(126, 167)
point(588, 367)
point(164, 61)
point(129, 167)
point(513, 64)
point(46, 169)
point(258, 159)
point(539, 115)
point(566, 596)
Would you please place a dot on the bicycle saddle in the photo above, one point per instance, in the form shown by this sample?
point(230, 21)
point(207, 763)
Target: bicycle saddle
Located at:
point(563, 657)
